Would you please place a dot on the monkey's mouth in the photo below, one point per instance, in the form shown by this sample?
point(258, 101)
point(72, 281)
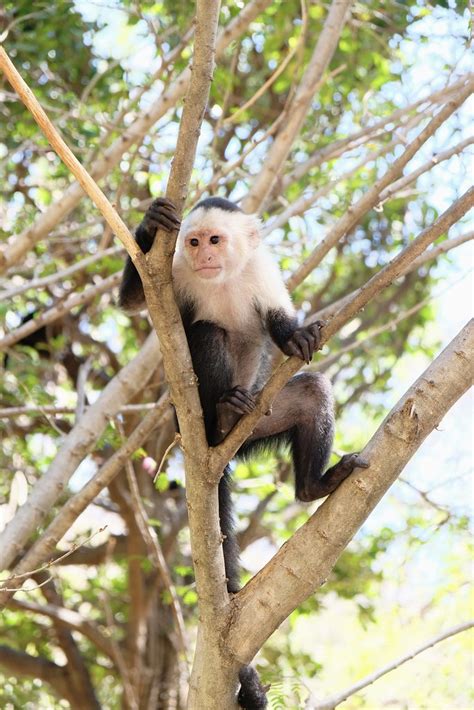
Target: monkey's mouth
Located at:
point(208, 272)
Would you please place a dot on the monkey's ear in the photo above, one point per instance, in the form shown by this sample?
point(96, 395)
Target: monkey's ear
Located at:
point(254, 229)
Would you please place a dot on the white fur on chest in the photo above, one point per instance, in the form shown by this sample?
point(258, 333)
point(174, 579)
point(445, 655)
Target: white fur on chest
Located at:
point(230, 305)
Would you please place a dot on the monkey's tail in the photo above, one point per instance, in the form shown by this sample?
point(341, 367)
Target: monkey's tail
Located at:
point(252, 694)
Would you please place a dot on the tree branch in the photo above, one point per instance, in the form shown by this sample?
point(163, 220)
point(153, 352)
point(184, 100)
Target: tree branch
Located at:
point(20, 663)
point(335, 700)
point(402, 116)
point(305, 561)
point(297, 111)
point(60, 309)
point(81, 439)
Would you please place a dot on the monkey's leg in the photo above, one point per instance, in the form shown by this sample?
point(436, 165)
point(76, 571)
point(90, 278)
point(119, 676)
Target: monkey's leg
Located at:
point(303, 414)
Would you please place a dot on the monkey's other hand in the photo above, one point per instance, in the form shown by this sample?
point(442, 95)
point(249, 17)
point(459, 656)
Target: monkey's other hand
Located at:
point(304, 341)
point(161, 214)
point(239, 399)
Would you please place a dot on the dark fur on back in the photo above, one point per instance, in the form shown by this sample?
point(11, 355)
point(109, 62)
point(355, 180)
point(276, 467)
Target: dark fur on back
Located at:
point(219, 203)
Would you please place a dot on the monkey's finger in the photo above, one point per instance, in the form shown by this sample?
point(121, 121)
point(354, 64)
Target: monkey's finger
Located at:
point(171, 215)
point(157, 212)
point(163, 222)
point(163, 201)
point(303, 344)
point(238, 406)
point(291, 349)
point(315, 335)
point(242, 399)
point(245, 395)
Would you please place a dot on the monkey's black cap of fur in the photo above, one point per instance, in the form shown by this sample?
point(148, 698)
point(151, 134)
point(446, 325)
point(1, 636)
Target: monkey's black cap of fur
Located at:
point(219, 203)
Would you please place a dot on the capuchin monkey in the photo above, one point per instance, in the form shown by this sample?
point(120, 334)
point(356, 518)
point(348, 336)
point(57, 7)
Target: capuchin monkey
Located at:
point(235, 310)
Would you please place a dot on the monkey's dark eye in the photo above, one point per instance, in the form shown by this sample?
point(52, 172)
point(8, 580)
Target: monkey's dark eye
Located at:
point(214, 239)
point(194, 242)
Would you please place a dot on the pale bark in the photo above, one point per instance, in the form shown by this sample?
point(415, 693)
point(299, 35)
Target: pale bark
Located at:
point(402, 116)
point(44, 548)
point(306, 560)
point(65, 153)
point(298, 109)
point(436, 159)
point(306, 201)
point(328, 311)
point(61, 275)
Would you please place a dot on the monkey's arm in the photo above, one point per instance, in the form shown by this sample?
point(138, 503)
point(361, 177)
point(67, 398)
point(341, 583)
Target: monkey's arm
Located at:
point(160, 214)
point(284, 331)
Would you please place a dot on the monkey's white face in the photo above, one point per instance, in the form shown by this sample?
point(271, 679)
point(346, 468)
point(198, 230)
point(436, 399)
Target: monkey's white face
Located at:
point(217, 244)
point(206, 253)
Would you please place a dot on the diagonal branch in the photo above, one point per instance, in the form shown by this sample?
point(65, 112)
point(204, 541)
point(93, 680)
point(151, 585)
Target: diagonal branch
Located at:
point(134, 133)
point(305, 561)
point(297, 112)
point(328, 311)
point(44, 548)
point(331, 703)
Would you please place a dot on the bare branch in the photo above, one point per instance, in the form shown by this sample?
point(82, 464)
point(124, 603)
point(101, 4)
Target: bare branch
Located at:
point(152, 543)
point(430, 254)
point(43, 549)
point(60, 275)
point(378, 129)
point(66, 155)
point(305, 561)
point(437, 158)
point(334, 701)
point(305, 201)
point(30, 410)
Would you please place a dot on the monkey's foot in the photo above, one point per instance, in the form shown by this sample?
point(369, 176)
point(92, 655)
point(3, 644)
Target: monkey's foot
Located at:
point(304, 341)
point(314, 489)
point(239, 399)
point(231, 406)
point(162, 215)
